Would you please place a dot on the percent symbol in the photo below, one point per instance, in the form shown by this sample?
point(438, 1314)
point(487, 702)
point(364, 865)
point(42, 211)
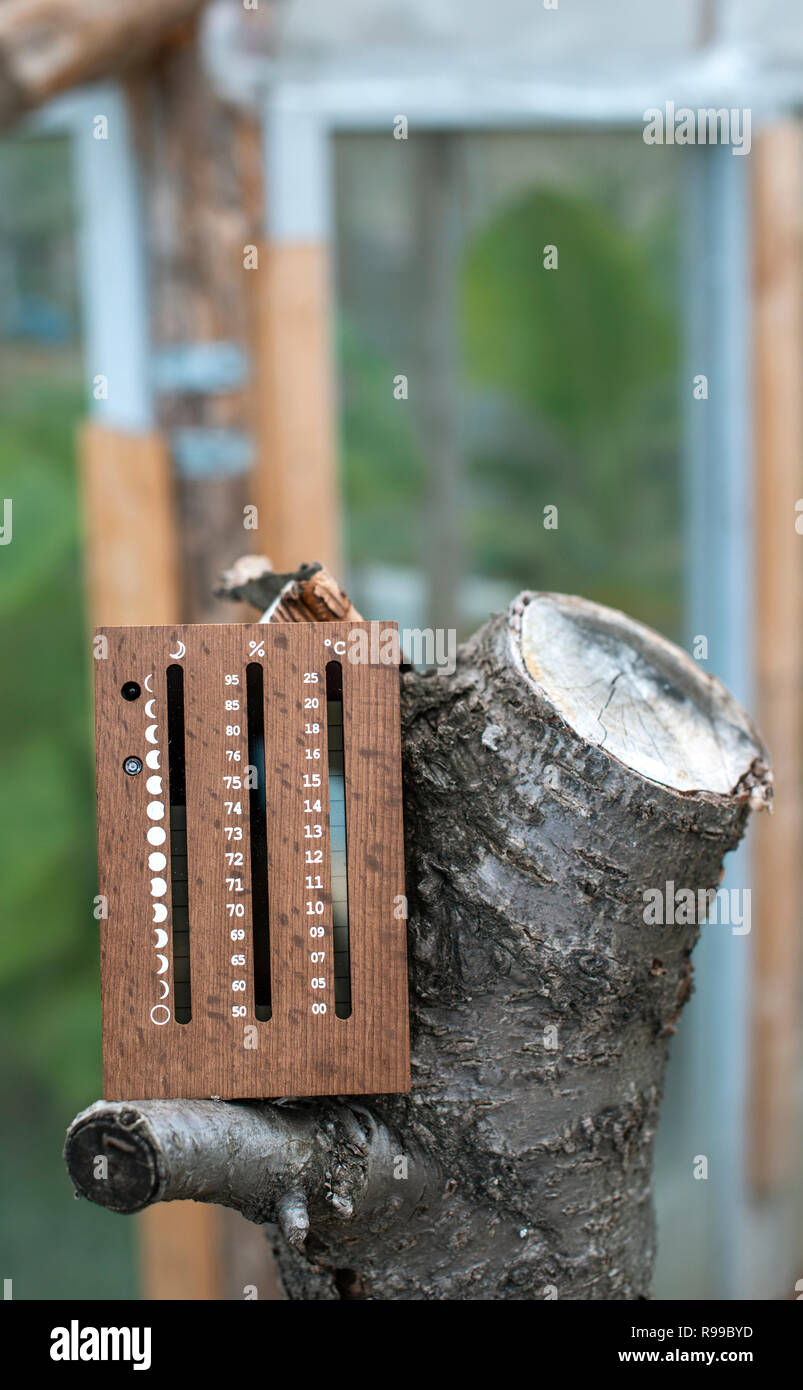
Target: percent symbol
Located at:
point(257, 648)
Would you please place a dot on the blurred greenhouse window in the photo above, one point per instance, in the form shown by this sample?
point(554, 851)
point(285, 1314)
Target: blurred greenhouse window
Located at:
point(538, 405)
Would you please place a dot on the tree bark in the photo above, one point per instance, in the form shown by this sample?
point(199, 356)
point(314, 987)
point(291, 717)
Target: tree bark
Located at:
point(519, 1166)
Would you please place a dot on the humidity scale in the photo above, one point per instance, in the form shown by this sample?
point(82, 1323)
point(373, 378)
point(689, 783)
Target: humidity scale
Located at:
point(251, 857)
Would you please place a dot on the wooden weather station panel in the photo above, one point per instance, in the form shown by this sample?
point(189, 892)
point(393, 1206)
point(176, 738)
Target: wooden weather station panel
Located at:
point(251, 858)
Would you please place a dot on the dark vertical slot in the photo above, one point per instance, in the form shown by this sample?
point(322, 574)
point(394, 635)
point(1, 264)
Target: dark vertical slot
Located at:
point(177, 774)
point(337, 837)
point(258, 822)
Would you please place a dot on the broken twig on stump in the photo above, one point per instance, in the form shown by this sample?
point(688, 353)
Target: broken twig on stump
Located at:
point(48, 46)
point(309, 595)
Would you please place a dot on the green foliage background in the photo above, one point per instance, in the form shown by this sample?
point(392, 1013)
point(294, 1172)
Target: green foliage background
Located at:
point(48, 968)
point(49, 997)
point(585, 359)
point(568, 396)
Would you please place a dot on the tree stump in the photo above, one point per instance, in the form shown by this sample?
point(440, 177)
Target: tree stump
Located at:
point(574, 762)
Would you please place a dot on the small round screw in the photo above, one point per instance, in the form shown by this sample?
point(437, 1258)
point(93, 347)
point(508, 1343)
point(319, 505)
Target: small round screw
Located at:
point(132, 766)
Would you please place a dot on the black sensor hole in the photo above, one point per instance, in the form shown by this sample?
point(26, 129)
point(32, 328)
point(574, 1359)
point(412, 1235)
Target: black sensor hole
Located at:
point(131, 691)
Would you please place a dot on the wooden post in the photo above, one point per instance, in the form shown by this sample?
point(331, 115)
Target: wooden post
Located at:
point(178, 1252)
point(777, 876)
point(296, 481)
point(296, 486)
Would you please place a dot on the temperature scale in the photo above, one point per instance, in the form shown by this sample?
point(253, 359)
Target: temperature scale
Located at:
point(251, 862)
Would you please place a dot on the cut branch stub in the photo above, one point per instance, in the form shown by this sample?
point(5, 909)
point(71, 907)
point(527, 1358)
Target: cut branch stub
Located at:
point(623, 688)
point(272, 1162)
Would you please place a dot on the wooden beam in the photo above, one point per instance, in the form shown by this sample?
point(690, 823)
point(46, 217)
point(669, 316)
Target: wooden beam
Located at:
point(777, 876)
point(48, 47)
point(296, 483)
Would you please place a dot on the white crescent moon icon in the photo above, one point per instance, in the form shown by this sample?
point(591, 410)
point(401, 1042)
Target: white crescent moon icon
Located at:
point(163, 966)
point(176, 656)
point(165, 988)
point(148, 678)
point(161, 937)
point(159, 912)
point(149, 704)
point(152, 759)
point(151, 732)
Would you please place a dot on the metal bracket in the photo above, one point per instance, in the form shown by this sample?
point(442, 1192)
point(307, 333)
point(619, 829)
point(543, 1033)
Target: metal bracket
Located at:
point(200, 369)
point(211, 453)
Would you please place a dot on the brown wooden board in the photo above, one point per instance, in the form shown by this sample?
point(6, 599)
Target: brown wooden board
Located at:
point(225, 1050)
